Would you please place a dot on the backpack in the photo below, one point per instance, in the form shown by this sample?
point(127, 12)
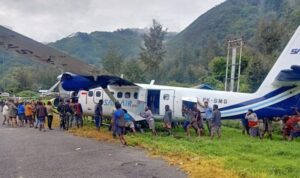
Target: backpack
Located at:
point(121, 121)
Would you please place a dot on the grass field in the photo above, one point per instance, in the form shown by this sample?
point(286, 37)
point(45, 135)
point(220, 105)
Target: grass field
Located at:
point(235, 155)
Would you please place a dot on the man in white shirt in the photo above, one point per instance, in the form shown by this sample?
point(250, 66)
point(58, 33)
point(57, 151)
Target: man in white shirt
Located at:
point(5, 113)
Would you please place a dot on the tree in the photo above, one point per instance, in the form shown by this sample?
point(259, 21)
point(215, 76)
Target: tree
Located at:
point(257, 71)
point(268, 36)
point(153, 51)
point(217, 68)
point(133, 71)
point(112, 62)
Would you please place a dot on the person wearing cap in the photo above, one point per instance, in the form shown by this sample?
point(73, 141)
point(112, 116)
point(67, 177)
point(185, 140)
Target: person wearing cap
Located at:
point(208, 114)
point(253, 123)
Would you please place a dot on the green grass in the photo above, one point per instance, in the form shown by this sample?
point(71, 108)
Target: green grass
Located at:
point(245, 156)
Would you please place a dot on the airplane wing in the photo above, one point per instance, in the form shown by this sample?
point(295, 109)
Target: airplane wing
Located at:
point(26, 47)
point(75, 82)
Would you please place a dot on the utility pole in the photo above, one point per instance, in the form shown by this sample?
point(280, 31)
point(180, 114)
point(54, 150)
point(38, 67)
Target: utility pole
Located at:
point(233, 46)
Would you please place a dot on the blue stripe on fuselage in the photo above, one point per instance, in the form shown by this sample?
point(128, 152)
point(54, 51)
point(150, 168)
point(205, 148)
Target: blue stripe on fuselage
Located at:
point(252, 101)
point(279, 109)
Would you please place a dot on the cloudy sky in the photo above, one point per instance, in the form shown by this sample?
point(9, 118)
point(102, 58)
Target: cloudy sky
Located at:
point(50, 20)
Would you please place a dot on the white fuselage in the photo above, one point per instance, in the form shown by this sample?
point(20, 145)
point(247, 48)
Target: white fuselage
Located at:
point(135, 98)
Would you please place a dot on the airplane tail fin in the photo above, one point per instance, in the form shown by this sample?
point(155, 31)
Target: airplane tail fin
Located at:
point(286, 70)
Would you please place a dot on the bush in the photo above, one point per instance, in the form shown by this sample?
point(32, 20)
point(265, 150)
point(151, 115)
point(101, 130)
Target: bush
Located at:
point(27, 93)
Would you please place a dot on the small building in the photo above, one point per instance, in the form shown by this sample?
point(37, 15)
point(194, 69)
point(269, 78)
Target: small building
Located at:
point(4, 94)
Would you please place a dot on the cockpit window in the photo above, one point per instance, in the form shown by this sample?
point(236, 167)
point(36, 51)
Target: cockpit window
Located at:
point(119, 95)
point(91, 93)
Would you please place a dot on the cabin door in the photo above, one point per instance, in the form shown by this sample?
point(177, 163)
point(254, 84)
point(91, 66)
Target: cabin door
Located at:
point(98, 95)
point(153, 101)
point(166, 98)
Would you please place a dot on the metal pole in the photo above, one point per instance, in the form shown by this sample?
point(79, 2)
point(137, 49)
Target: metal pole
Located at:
point(233, 64)
point(226, 75)
point(240, 63)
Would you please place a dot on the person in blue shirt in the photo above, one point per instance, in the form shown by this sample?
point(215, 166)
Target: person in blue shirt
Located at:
point(129, 122)
point(208, 114)
point(119, 122)
point(21, 113)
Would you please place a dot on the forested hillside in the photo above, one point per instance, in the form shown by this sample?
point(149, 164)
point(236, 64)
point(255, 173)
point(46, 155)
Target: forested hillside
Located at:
point(195, 55)
point(265, 26)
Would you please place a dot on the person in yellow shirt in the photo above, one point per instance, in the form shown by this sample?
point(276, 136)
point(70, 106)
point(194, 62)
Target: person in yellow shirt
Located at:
point(28, 113)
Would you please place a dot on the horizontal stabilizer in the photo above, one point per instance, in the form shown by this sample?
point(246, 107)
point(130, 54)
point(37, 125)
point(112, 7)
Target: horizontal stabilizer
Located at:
point(288, 76)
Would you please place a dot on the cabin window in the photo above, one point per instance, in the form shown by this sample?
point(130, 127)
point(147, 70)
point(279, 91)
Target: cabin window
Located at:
point(127, 95)
point(91, 93)
point(119, 94)
point(98, 93)
point(135, 95)
point(166, 97)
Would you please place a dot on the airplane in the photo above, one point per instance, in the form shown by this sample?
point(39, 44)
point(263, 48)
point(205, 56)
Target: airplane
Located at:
point(276, 97)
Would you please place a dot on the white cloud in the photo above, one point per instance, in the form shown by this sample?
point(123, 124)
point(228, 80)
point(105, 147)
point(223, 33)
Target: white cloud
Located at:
point(50, 20)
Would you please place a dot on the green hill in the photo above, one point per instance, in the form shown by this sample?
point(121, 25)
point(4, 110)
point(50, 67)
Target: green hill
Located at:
point(265, 25)
point(235, 19)
point(94, 46)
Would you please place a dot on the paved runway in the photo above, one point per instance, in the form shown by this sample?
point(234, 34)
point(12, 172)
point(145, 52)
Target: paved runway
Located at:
point(26, 153)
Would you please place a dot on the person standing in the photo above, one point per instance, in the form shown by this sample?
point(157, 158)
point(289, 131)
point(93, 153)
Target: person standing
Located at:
point(119, 122)
point(245, 126)
point(168, 119)
point(34, 114)
point(78, 115)
point(253, 123)
point(21, 114)
point(149, 119)
point(216, 122)
point(5, 113)
point(49, 114)
point(69, 114)
point(29, 113)
point(12, 112)
point(208, 114)
point(267, 127)
point(98, 115)
point(62, 114)
point(41, 112)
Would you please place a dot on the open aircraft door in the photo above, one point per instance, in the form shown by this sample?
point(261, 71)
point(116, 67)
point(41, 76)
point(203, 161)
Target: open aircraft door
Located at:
point(166, 98)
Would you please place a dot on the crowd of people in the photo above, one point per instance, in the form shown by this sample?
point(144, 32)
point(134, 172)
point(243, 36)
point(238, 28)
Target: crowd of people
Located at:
point(256, 127)
point(27, 113)
point(193, 119)
point(34, 114)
